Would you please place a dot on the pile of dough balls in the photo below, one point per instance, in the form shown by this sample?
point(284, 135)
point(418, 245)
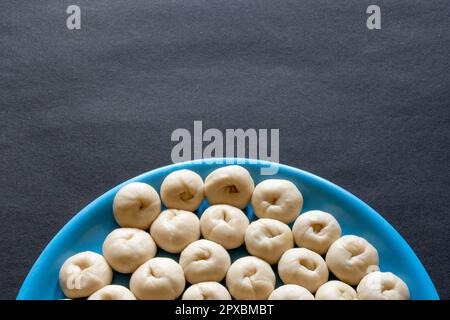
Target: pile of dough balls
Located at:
point(313, 259)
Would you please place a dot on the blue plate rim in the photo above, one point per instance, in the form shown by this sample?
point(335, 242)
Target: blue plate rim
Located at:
point(82, 215)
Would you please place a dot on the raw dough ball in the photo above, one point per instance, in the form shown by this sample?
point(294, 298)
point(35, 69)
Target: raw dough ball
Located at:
point(113, 292)
point(350, 258)
point(250, 278)
point(303, 267)
point(182, 189)
point(126, 249)
point(204, 260)
point(206, 291)
point(231, 185)
point(277, 199)
point(382, 286)
point(316, 230)
point(136, 205)
point(225, 225)
point(83, 274)
point(158, 279)
point(268, 239)
point(174, 229)
point(291, 292)
point(336, 290)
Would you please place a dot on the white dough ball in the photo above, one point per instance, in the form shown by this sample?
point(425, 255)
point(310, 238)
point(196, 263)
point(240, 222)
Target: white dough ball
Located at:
point(291, 292)
point(336, 290)
point(316, 230)
point(231, 185)
point(84, 273)
point(112, 292)
point(350, 258)
point(250, 278)
point(182, 189)
point(277, 199)
point(303, 267)
point(158, 279)
point(382, 286)
point(268, 239)
point(225, 225)
point(136, 205)
point(174, 229)
point(206, 291)
point(126, 249)
point(204, 260)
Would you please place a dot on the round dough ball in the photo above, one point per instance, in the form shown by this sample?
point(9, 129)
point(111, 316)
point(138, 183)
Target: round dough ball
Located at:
point(126, 249)
point(83, 274)
point(268, 239)
point(174, 229)
point(225, 225)
point(136, 205)
point(291, 292)
point(336, 290)
point(382, 286)
point(250, 278)
point(112, 292)
point(206, 291)
point(303, 267)
point(231, 185)
point(158, 279)
point(204, 260)
point(316, 230)
point(182, 189)
point(350, 258)
point(277, 199)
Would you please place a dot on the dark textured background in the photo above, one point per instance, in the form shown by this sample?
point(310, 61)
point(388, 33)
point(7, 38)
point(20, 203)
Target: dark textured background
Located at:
point(84, 110)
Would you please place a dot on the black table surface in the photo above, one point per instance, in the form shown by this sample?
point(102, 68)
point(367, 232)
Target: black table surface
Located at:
point(82, 111)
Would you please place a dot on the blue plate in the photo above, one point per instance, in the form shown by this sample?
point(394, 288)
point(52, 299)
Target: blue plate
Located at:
point(88, 229)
